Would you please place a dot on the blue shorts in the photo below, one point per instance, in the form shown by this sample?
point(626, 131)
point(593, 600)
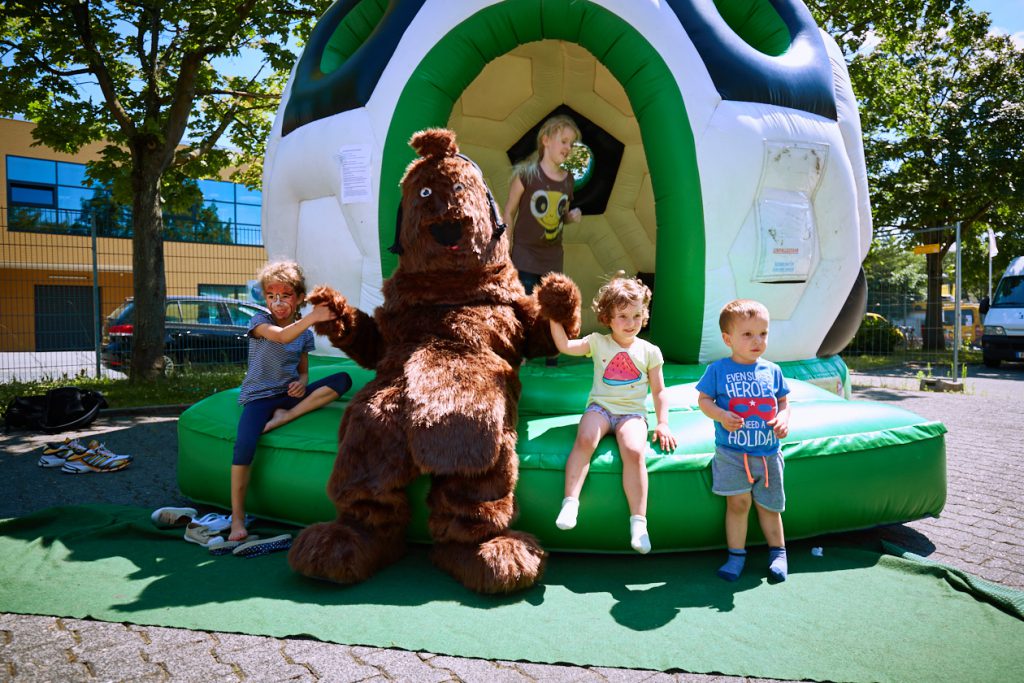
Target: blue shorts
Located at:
point(616, 421)
point(734, 473)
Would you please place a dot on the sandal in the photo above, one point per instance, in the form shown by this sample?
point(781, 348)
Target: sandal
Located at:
point(258, 547)
point(229, 546)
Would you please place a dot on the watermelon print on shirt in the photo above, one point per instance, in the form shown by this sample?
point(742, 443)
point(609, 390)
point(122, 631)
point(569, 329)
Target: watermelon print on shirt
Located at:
point(621, 375)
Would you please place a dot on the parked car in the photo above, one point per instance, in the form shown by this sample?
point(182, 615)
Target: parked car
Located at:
point(876, 336)
point(970, 323)
point(1003, 337)
point(201, 330)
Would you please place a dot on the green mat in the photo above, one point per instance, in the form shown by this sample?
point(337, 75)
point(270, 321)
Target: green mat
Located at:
point(850, 615)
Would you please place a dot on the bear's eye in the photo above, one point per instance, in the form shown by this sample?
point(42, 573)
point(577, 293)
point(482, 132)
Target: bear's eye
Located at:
point(457, 187)
point(426, 192)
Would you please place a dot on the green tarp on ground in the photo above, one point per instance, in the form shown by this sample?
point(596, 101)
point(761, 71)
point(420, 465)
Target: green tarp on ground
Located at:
point(852, 614)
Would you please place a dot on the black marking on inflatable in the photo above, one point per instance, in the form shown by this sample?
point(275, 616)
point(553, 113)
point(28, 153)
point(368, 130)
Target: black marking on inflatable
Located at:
point(592, 198)
point(848, 320)
point(744, 74)
point(316, 95)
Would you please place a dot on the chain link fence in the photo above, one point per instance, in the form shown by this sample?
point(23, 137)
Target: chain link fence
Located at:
point(64, 274)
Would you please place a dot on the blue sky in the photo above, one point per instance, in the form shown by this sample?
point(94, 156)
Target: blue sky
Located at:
point(1007, 16)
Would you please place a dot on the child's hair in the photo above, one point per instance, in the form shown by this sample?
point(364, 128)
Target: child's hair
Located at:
point(618, 292)
point(529, 167)
point(740, 309)
point(286, 272)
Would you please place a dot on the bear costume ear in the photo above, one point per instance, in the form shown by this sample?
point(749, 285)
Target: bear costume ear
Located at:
point(434, 143)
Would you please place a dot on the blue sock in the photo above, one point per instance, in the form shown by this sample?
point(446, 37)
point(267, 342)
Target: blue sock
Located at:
point(733, 567)
point(778, 567)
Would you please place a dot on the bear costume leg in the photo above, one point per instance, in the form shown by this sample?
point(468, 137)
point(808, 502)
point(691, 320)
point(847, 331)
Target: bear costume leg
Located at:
point(368, 486)
point(469, 518)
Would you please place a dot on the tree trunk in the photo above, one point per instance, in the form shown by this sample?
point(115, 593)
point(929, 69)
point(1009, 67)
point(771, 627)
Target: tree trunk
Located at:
point(933, 336)
point(150, 285)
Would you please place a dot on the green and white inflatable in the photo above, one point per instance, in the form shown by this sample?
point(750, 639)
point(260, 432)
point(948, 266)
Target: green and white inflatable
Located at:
point(727, 161)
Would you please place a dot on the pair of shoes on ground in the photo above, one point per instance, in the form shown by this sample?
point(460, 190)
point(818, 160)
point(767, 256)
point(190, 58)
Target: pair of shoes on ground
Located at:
point(250, 546)
point(74, 457)
point(170, 517)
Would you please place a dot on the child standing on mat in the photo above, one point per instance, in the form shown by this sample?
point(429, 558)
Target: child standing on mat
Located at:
point(539, 199)
point(275, 390)
point(746, 397)
point(624, 367)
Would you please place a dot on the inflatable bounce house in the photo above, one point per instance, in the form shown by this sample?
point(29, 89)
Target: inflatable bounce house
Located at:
point(725, 162)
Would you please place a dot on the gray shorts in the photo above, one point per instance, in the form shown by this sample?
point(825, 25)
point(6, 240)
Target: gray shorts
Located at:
point(615, 420)
point(730, 477)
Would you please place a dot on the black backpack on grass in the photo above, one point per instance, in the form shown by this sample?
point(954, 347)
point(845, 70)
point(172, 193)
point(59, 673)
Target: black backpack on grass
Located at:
point(58, 410)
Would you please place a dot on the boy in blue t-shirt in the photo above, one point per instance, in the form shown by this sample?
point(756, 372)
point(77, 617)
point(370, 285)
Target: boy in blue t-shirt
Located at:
point(746, 397)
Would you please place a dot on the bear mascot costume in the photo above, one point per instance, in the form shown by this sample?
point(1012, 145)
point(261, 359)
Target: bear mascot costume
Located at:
point(446, 345)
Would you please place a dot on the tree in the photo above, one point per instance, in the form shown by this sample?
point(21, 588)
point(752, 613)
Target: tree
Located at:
point(942, 106)
point(163, 106)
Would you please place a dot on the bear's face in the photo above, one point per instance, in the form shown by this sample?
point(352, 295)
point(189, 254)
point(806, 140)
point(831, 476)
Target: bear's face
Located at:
point(447, 221)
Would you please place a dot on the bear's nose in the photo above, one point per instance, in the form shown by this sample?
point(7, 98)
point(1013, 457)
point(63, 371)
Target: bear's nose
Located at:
point(447, 233)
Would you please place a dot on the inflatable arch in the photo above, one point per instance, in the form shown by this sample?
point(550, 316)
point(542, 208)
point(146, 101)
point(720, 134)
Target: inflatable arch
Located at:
point(734, 168)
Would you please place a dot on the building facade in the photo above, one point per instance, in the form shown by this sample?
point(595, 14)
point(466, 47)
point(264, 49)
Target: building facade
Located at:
point(66, 251)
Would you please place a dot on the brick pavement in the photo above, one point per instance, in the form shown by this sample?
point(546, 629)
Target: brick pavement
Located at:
point(981, 530)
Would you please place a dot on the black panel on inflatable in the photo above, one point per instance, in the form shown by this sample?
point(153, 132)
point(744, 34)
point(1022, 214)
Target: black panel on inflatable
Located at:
point(592, 198)
point(742, 73)
point(316, 95)
point(848, 321)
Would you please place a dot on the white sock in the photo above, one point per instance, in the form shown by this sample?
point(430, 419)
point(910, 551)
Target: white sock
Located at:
point(639, 539)
point(567, 515)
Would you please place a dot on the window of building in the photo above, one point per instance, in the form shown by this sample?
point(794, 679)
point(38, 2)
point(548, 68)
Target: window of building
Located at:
point(56, 196)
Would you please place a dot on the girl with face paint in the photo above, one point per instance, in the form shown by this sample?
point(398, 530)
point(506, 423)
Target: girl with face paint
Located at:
point(276, 388)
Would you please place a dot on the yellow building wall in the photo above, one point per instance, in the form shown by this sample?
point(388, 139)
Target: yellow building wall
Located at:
point(29, 259)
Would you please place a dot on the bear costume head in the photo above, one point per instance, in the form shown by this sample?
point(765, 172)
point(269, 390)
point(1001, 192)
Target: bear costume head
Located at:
point(441, 221)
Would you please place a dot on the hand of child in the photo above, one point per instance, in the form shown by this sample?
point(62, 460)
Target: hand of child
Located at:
point(297, 389)
point(663, 435)
point(573, 216)
point(321, 313)
point(731, 421)
point(780, 424)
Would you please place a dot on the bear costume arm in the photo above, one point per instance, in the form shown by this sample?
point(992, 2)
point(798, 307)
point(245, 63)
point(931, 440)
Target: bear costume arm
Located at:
point(556, 298)
point(352, 331)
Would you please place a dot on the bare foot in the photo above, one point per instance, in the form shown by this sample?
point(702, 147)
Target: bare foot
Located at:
point(239, 534)
point(276, 420)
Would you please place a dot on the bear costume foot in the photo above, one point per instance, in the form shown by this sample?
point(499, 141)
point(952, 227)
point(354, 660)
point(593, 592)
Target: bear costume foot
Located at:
point(335, 552)
point(506, 563)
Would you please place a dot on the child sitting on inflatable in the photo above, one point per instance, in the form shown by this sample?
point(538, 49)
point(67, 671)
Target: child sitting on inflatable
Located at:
point(746, 397)
point(624, 367)
point(275, 390)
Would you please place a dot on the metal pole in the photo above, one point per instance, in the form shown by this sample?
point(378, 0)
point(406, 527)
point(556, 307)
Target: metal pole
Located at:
point(956, 307)
point(95, 297)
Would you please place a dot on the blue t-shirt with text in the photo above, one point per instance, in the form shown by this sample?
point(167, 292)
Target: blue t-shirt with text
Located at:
point(752, 392)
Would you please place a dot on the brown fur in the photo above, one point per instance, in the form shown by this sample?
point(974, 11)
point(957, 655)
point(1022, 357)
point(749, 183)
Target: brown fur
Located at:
point(446, 345)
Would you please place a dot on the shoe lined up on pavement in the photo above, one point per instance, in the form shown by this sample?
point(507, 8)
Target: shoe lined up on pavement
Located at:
point(74, 457)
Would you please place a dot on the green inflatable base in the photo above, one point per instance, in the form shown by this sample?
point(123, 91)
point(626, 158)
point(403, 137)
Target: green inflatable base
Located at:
point(849, 464)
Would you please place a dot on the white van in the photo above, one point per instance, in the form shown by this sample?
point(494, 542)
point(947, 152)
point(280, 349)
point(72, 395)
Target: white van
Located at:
point(1003, 336)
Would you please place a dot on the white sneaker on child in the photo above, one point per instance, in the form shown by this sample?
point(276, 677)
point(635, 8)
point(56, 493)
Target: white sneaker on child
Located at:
point(638, 537)
point(567, 515)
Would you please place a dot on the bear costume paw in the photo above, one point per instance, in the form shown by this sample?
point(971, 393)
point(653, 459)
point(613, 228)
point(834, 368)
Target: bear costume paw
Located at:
point(559, 300)
point(508, 562)
point(338, 304)
point(332, 551)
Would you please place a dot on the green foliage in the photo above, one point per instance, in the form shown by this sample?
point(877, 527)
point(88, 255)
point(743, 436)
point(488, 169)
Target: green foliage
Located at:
point(875, 336)
point(941, 102)
point(182, 388)
point(148, 79)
